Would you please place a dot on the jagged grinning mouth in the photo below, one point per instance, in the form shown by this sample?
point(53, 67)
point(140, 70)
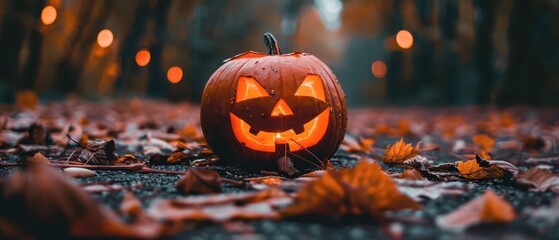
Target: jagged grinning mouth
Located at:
point(266, 141)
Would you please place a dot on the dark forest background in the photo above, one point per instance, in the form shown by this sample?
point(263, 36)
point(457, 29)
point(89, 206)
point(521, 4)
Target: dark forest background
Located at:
point(464, 51)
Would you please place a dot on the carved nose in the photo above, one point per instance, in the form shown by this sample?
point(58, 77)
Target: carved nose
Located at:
point(281, 109)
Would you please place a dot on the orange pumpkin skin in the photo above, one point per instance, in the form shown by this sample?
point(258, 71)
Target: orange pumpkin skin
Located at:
point(256, 102)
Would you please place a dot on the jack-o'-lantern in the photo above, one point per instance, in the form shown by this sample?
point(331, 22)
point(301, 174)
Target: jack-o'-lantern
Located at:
point(259, 107)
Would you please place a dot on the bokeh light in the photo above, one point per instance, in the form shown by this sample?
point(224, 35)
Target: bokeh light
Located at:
point(174, 74)
point(143, 57)
point(379, 69)
point(48, 15)
point(404, 39)
point(105, 38)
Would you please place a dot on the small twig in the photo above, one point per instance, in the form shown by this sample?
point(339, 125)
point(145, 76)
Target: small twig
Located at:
point(68, 135)
point(310, 162)
point(312, 154)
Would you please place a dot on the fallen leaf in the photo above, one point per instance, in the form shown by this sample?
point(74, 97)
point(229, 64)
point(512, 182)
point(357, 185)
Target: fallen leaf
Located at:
point(539, 179)
point(77, 172)
point(130, 205)
point(412, 174)
point(222, 207)
point(484, 141)
point(352, 144)
point(480, 168)
point(399, 152)
point(424, 189)
point(40, 203)
point(362, 190)
point(199, 181)
point(486, 208)
point(38, 158)
point(127, 159)
point(285, 165)
point(36, 135)
point(99, 152)
point(532, 143)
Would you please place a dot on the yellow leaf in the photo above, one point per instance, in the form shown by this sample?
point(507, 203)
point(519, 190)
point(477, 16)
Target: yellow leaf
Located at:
point(399, 152)
point(485, 141)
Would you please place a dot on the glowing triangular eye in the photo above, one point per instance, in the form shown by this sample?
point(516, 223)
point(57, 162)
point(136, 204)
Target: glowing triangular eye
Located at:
point(311, 87)
point(248, 88)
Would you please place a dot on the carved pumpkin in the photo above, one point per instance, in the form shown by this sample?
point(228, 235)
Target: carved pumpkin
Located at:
point(256, 107)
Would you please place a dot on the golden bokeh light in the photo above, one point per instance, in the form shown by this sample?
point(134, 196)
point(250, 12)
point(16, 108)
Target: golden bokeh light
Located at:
point(143, 57)
point(174, 74)
point(379, 69)
point(404, 39)
point(48, 15)
point(105, 38)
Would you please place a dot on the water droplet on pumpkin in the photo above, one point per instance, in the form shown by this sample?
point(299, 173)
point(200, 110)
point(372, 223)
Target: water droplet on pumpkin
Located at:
point(247, 109)
point(272, 92)
point(338, 116)
point(250, 116)
point(262, 115)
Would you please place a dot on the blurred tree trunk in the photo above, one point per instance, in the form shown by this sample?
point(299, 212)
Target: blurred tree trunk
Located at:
point(450, 77)
point(526, 76)
point(31, 68)
point(156, 86)
point(93, 15)
point(131, 45)
point(424, 57)
point(11, 39)
point(485, 22)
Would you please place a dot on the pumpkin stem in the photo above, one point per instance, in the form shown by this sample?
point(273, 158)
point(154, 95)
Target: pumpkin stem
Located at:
point(272, 44)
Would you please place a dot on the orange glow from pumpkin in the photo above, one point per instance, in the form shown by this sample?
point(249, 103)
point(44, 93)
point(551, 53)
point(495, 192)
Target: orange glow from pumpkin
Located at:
point(174, 74)
point(311, 87)
point(48, 15)
point(314, 130)
point(404, 39)
point(143, 57)
point(379, 69)
point(105, 38)
point(249, 88)
point(281, 109)
point(266, 141)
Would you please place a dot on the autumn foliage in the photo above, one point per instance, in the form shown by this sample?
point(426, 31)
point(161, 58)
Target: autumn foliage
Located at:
point(362, 190)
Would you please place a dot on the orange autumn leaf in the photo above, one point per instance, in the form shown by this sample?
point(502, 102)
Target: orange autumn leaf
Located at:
point(484, 141)
point(399, 152)
point(487, 208)
point(472, 170)
point(363, 190)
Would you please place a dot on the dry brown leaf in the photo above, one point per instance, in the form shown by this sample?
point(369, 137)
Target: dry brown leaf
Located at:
point(362, 190)
point(539, 179)
point(486, 208)
point(532, 143)
point(285, 166)
point(399, 152)
point(484, 141)
point(199, 181)
point(40, 203)
point(420, 190)
point(127, 159)
point(99, 152)
point(222, 207)
point(351, 144)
